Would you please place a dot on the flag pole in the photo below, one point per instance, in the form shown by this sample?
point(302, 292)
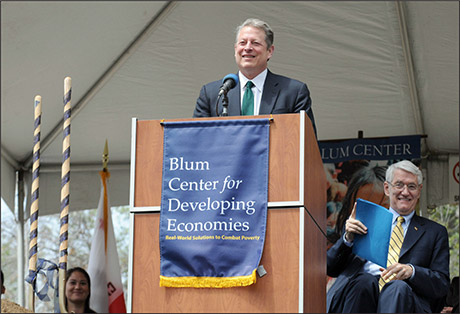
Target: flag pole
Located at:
point(103, 266)
point(104, 175)
point(65, 191)
point(105, 156)
point(33, 235)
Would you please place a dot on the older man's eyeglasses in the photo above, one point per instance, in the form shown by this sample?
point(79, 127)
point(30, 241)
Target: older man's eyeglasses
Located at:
point(400, 186)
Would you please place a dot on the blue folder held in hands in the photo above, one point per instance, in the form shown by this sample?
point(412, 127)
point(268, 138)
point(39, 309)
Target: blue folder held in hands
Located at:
point(373, 246)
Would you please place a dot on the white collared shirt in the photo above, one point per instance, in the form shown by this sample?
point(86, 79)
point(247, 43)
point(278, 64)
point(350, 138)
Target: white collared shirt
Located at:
point(257, 89)
point(406, 222)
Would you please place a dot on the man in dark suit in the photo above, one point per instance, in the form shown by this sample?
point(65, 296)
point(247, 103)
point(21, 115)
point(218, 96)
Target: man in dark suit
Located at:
point(273, 94)
point(415, 283)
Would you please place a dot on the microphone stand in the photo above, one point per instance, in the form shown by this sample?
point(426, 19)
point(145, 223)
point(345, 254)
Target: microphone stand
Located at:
point(229, 81)
point(224, 105)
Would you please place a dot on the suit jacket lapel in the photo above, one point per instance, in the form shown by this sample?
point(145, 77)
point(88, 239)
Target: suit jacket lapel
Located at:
point(269, 94)
point(234, 99)
point(415, 230)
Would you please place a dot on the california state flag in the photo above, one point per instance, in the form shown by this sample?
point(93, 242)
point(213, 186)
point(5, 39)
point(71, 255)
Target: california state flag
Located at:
point(104, 266)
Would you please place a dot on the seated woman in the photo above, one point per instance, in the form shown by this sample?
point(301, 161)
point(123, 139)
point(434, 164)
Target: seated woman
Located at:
point(77, 291)
point(366, 183)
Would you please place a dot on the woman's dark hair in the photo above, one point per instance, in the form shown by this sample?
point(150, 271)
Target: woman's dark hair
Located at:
point(3, 282)
point(81, 270)
point(363, 176)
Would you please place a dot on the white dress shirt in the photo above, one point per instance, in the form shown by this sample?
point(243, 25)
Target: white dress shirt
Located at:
point(257, 89)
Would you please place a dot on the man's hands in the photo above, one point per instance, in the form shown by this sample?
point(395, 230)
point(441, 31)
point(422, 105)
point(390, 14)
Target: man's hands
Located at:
point(354, 226)
point(396, 271)
point(393, 272)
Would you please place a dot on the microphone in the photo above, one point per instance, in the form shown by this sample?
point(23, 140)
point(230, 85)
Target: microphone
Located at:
point(228, 82)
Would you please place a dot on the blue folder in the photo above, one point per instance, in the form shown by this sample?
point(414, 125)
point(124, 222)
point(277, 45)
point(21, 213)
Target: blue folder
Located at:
point(373, 246)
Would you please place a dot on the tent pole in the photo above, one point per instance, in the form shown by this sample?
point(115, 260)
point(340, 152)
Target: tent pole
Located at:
point(424, 194)
point(104, 78)
point(415, 102)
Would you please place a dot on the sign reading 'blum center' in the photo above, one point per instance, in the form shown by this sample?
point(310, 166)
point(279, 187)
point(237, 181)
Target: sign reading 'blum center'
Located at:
point(214, 202)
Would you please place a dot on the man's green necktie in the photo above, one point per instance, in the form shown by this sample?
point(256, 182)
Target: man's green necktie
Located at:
point(248, 100)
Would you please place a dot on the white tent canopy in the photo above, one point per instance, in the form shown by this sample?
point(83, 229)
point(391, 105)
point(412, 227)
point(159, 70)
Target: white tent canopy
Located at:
point(387, 68)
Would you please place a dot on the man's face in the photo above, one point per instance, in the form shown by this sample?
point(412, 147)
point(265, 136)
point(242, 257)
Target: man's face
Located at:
point(251, 53)
point(403, 200)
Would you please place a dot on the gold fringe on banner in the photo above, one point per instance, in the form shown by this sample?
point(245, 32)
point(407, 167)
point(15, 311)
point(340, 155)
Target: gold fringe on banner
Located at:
point(208, 282)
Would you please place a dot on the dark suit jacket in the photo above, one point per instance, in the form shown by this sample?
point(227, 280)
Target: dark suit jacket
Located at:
point(280, 95)
point(425, 246)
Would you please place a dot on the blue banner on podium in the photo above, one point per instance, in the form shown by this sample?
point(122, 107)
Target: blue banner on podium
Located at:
point(214, 202)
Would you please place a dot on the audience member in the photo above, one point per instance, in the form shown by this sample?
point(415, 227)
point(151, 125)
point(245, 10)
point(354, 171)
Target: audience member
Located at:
point(3, 286)
point(78, 291)
point(415, 280)
point(366, 183)
point(451, 304)
point(8, 306)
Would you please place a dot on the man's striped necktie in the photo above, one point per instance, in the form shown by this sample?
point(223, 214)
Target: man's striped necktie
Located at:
point(396, 241)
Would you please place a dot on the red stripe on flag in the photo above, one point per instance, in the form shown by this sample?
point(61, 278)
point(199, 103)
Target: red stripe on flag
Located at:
point(118, 305)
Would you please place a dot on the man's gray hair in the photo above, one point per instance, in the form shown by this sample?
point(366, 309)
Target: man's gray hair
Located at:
point(269, 36)
point(405, 165)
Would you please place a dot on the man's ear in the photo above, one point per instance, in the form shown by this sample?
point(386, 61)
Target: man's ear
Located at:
point(386, 188)
point(270, 52)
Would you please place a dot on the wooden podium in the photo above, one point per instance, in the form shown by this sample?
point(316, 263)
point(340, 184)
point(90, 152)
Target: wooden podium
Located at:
point(294, 253)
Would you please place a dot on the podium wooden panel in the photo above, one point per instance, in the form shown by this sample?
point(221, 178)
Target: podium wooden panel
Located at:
point(294, 253)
